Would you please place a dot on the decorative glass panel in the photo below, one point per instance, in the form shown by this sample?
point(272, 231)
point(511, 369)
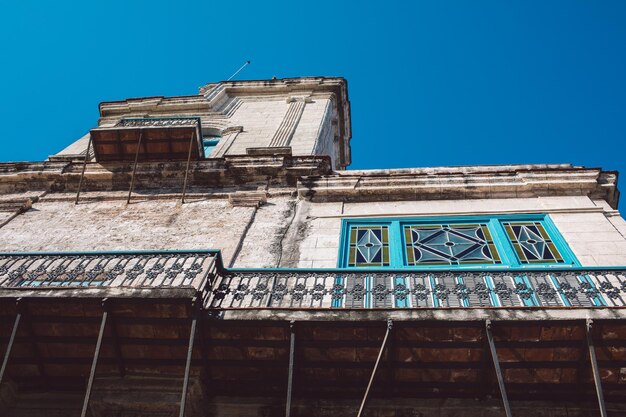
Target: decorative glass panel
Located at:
point(449, 244)
point(532, 243)
point(369, 246)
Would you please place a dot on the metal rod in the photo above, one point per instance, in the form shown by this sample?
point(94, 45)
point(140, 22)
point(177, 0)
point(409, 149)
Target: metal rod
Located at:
point(496, 365)
point(187, 169)
point(292, 345)
point(594, 367)
point(380, 355)
point(16, 323)
point(132, 178)
point(82, 174)
point(192, 334)
point(238, 71)
point(94, 364)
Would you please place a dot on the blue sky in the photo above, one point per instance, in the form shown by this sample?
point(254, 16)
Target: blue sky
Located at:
point(430, 82)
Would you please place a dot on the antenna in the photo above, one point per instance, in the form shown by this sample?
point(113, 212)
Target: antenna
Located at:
point(239, 70)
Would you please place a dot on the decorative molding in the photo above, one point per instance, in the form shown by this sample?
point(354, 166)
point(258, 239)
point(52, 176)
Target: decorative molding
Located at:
point(232, 129)
point(286, 129)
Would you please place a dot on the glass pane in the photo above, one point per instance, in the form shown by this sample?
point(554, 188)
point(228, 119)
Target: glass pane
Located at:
point(449, 244)
point(532, 243)
point(369, 246)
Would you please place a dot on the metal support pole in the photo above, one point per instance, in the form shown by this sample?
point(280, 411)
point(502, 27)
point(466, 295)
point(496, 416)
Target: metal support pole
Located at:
point(496, 365)
point(292, 345)
point(380, 355)
point(82, 174)
point(192, 334)
point(132, 178)
point(94, 363)
point(187, 169)
point(594, 367)
point(16, 323)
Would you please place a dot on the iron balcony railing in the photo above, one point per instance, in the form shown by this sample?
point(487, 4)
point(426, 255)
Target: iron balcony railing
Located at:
point(153, 269)
point(337, 288)
point(234, 288)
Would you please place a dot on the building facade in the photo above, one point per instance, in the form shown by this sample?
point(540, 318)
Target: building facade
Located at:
point(210, 255)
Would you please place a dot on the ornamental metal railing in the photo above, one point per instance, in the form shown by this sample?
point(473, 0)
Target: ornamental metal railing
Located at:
point(571, 287)
point(154, 269)
point(223, 288)
point(159, 122)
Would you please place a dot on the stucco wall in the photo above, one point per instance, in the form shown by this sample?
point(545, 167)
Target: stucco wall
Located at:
point(284, 232)
point(595, 239)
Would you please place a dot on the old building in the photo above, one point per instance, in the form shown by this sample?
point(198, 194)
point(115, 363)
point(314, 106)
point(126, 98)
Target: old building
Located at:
point(210, 255)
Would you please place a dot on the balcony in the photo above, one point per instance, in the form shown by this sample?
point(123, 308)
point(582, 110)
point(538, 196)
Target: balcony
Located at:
point(149, 139)
point(152, 270)
point(329, 327)
point(223, 288)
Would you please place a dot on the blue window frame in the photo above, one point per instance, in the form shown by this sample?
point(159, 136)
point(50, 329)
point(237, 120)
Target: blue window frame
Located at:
point(454, 242)
point(458, 243)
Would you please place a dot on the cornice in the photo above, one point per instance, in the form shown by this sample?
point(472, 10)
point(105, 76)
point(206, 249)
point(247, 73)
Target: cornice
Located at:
point(231, 171)
point(447, 183)
point(313, 179)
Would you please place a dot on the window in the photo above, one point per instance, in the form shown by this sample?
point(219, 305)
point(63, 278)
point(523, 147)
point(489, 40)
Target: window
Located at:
point(369, 246)
point(210, 143)
point(532, 243)
point(456, 242)
point(447, 244)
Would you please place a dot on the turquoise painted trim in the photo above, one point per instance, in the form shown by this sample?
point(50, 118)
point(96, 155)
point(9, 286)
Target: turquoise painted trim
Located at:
point(597, 301)
point(495, 302)
point(533, 301)
point(397, 280)
point(337, 302)
point(501, 240)
point(557, 287)
point(343, 238)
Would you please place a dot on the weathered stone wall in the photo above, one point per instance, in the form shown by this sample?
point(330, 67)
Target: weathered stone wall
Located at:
point(284, 232)
point(56, 224)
